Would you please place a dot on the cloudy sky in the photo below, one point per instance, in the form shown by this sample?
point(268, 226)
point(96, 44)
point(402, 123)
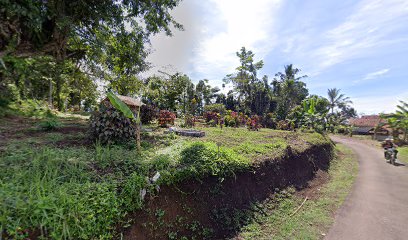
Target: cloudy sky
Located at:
point(359, 46)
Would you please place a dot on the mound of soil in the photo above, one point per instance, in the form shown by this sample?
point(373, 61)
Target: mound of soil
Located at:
point(214, 209)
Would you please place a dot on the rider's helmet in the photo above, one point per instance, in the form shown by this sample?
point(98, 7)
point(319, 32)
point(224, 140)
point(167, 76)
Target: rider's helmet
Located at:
point(389, 139)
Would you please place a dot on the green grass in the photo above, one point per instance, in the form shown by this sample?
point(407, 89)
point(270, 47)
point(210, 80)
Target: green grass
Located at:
point(83, 192)
point(403, 154)
point(314, 218)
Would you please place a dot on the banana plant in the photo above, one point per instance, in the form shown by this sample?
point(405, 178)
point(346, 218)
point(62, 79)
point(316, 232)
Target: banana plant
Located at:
point(122, 107)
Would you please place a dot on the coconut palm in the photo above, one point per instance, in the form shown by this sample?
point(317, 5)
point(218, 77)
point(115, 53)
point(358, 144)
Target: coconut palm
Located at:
point(398, 121)
point(337, 99)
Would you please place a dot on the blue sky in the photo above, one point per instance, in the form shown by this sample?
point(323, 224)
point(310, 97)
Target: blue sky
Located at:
point(360, 46)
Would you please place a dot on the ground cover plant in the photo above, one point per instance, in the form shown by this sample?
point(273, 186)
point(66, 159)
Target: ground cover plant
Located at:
point(51, 187)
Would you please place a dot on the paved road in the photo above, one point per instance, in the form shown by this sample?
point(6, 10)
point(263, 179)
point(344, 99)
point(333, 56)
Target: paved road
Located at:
point(377, 207)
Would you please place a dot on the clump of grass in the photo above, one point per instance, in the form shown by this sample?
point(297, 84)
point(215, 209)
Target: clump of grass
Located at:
point(49, 124)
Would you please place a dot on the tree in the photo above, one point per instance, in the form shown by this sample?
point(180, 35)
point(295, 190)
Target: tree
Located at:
point(399, 120)
point(246, 84)
point(109, 35)
point(289, 90)
point(336, 99)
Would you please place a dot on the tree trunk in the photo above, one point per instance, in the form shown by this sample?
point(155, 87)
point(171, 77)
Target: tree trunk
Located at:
point(58, 88)
point(138, 137)
point(60, 34)
point(50, 95)
point(138, 129)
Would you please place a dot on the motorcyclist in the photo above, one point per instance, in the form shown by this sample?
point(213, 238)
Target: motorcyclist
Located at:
point(389, 143)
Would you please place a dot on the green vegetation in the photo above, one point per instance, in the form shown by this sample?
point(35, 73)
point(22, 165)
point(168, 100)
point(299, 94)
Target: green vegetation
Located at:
point(403, 154)
point(285, 217)
point(82, 192)
point(65, 178)
point(398, 121)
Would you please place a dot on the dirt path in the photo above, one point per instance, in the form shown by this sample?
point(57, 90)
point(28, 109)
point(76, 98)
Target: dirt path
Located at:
point(377, 207)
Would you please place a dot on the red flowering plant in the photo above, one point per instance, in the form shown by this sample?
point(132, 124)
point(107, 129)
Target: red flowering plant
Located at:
point(253, 123)
point(242, 119)
point(166, 118)
point(231, 119)
point(212, 118)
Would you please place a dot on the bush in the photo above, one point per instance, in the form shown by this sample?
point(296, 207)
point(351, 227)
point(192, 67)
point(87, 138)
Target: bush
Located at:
point(269, 120)
point(284, 125)
point(49, 124)
point(148, 113)
point(212, 117)
point(166, 118)
point(231, 119)
point(218, 108)
point(200, 159)
point(254, 123)
point(189, 120)
point(108, 125)
point(242, 118)
point(8, 93)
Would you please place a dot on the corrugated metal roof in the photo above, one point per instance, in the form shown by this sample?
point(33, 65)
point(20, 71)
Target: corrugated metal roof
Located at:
point(362, 129)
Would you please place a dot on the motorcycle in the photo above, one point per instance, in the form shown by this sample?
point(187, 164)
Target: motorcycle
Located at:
point(390, 155)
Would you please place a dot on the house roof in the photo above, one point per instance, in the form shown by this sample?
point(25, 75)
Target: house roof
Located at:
point(366, 121)
point(132, 102)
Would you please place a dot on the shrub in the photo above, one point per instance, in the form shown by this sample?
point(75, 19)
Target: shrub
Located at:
point(200, 159)
point(108, 125)
point(242, 118)
point(231, 119)
point(284, 125)
point(212, 117)
point(166, 118)
point(269, 120)
point(253, 123)
point(218, 108)
point(148, 113)
point(49, 124)
point(189, 120)
point(8, 93)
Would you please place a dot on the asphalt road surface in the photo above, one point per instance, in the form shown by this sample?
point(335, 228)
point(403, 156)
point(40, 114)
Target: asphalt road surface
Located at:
point(377, 207)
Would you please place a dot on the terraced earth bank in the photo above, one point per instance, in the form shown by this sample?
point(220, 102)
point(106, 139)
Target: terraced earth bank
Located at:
point(216, 208)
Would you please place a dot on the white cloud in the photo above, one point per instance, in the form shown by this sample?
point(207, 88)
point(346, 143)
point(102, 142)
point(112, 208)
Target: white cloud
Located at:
point(370, 26)
point(376, 74)
point(374, 104)
point(246, 24)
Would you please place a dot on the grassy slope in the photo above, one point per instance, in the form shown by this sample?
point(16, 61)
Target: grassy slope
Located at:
point(403, 154)
point(315, 216)
point(81, 192)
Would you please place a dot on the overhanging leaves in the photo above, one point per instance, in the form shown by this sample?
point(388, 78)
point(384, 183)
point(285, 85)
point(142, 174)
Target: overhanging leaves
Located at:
point(120, 106)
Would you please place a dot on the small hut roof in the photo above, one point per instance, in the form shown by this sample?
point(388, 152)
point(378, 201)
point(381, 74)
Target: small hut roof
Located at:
point(132, 102)
point(366, 121)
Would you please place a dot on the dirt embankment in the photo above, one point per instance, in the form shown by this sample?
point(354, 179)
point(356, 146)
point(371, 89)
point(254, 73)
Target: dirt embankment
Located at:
point(217, 209)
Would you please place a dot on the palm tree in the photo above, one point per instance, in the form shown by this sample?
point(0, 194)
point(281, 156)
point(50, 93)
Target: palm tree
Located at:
point(336, 99)
point(290, 73)
point(399, 120)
